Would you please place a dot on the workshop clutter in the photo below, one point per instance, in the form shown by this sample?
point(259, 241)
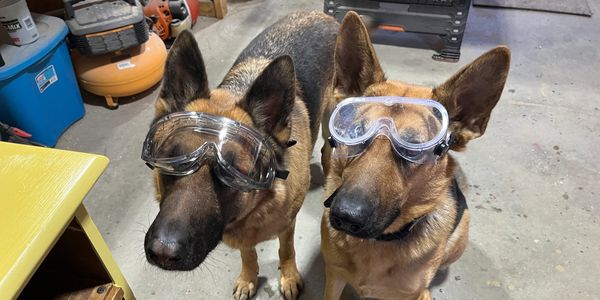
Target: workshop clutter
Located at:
point(114, 53)
point(16, 19)
point(170, 17)
point(38, 88)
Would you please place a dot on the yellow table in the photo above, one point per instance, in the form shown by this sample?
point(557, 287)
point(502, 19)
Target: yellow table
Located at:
point(48, 242)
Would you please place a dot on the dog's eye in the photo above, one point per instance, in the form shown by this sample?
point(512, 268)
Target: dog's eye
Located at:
point(239, 161)
point(175, 151)
point(413, 156)
point(229, 158)
point(357, 130)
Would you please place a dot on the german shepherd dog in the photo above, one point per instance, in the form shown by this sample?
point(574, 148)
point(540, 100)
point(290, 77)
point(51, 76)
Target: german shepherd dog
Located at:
point(277, 86)
point(392, 224)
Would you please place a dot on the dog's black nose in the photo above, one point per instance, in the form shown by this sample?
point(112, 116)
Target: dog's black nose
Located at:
point(164, 248)
point(351, 213)
point(164, 254)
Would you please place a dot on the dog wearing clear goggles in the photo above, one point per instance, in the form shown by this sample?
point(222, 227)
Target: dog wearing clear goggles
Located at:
point(395, 213)
point(232, 164)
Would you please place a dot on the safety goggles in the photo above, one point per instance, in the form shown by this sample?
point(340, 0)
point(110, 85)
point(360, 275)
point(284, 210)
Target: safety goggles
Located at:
point(416, 128)
point(179, 143)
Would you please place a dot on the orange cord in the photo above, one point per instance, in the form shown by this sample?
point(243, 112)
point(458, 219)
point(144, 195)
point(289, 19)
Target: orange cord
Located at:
point(391, 28)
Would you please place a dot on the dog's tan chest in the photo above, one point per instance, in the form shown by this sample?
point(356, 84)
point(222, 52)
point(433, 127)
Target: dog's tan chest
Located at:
point(383, 274)
point(264, 222)
point(266, 214)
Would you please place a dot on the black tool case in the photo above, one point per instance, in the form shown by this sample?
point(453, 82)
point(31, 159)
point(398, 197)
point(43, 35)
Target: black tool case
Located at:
point(445, 18)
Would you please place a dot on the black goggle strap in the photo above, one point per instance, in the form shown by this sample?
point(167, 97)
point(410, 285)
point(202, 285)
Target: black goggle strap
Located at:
point(290, 143)
point(331, 142)
point(441, 149)
point(282, 174)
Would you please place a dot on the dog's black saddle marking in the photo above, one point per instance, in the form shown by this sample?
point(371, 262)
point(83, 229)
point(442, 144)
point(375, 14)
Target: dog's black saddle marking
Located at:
point(461, 206)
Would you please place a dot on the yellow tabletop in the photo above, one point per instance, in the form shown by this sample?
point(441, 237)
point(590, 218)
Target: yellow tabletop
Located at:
point(40, 189)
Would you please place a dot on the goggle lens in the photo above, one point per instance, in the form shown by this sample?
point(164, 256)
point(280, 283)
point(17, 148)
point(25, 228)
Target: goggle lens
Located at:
point(179, 143)
point(414, 126)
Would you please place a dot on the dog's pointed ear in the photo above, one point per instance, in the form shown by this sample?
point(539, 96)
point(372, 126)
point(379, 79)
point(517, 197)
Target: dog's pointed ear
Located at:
point(471, 94)
point(356, 64)
point(271, 98)
point(185, 76)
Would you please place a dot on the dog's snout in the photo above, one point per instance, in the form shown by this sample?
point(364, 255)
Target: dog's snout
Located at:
point(352, 214)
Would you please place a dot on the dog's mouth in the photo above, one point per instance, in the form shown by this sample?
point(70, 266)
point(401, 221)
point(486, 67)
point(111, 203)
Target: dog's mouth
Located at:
point(373, 231)
point(352, 230)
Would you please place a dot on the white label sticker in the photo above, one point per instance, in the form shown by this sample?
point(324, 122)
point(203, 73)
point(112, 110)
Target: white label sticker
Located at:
point(125, 64)
point(28, 23)
point(46, 78)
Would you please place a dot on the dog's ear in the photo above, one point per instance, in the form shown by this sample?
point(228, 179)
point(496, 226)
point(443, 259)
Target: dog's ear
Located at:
point(356, 64)
point(185, 76)
point(271, 98)
point(471, 94)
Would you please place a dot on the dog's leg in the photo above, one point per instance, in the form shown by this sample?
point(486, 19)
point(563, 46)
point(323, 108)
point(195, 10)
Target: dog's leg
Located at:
point(333, 286)
point(291, 282)
point(245, 286)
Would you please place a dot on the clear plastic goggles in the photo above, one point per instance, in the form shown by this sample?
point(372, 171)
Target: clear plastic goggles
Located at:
point(179, 143)
point(417, 128)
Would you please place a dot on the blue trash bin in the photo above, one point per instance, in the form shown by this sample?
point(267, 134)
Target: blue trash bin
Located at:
point(38, 87)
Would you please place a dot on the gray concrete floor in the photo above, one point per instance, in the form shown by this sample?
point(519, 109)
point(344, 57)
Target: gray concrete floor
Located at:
point(534, 175)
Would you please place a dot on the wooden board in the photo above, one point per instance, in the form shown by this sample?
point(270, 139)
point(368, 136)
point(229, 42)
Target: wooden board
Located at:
point(102, 292)
point(213, 8)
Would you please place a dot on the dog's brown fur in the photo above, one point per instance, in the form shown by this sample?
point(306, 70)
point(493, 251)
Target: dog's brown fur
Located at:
point(263, 72)
point(402, 191)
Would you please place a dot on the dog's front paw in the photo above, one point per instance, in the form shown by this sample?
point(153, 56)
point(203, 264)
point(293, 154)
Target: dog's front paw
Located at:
point(291, 285)
point(244, 289)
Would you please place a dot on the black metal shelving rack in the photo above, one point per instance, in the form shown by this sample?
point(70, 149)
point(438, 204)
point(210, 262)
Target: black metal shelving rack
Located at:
point(445, 18)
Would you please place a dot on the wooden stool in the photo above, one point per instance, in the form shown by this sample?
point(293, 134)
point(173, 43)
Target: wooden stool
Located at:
point(50, 247)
